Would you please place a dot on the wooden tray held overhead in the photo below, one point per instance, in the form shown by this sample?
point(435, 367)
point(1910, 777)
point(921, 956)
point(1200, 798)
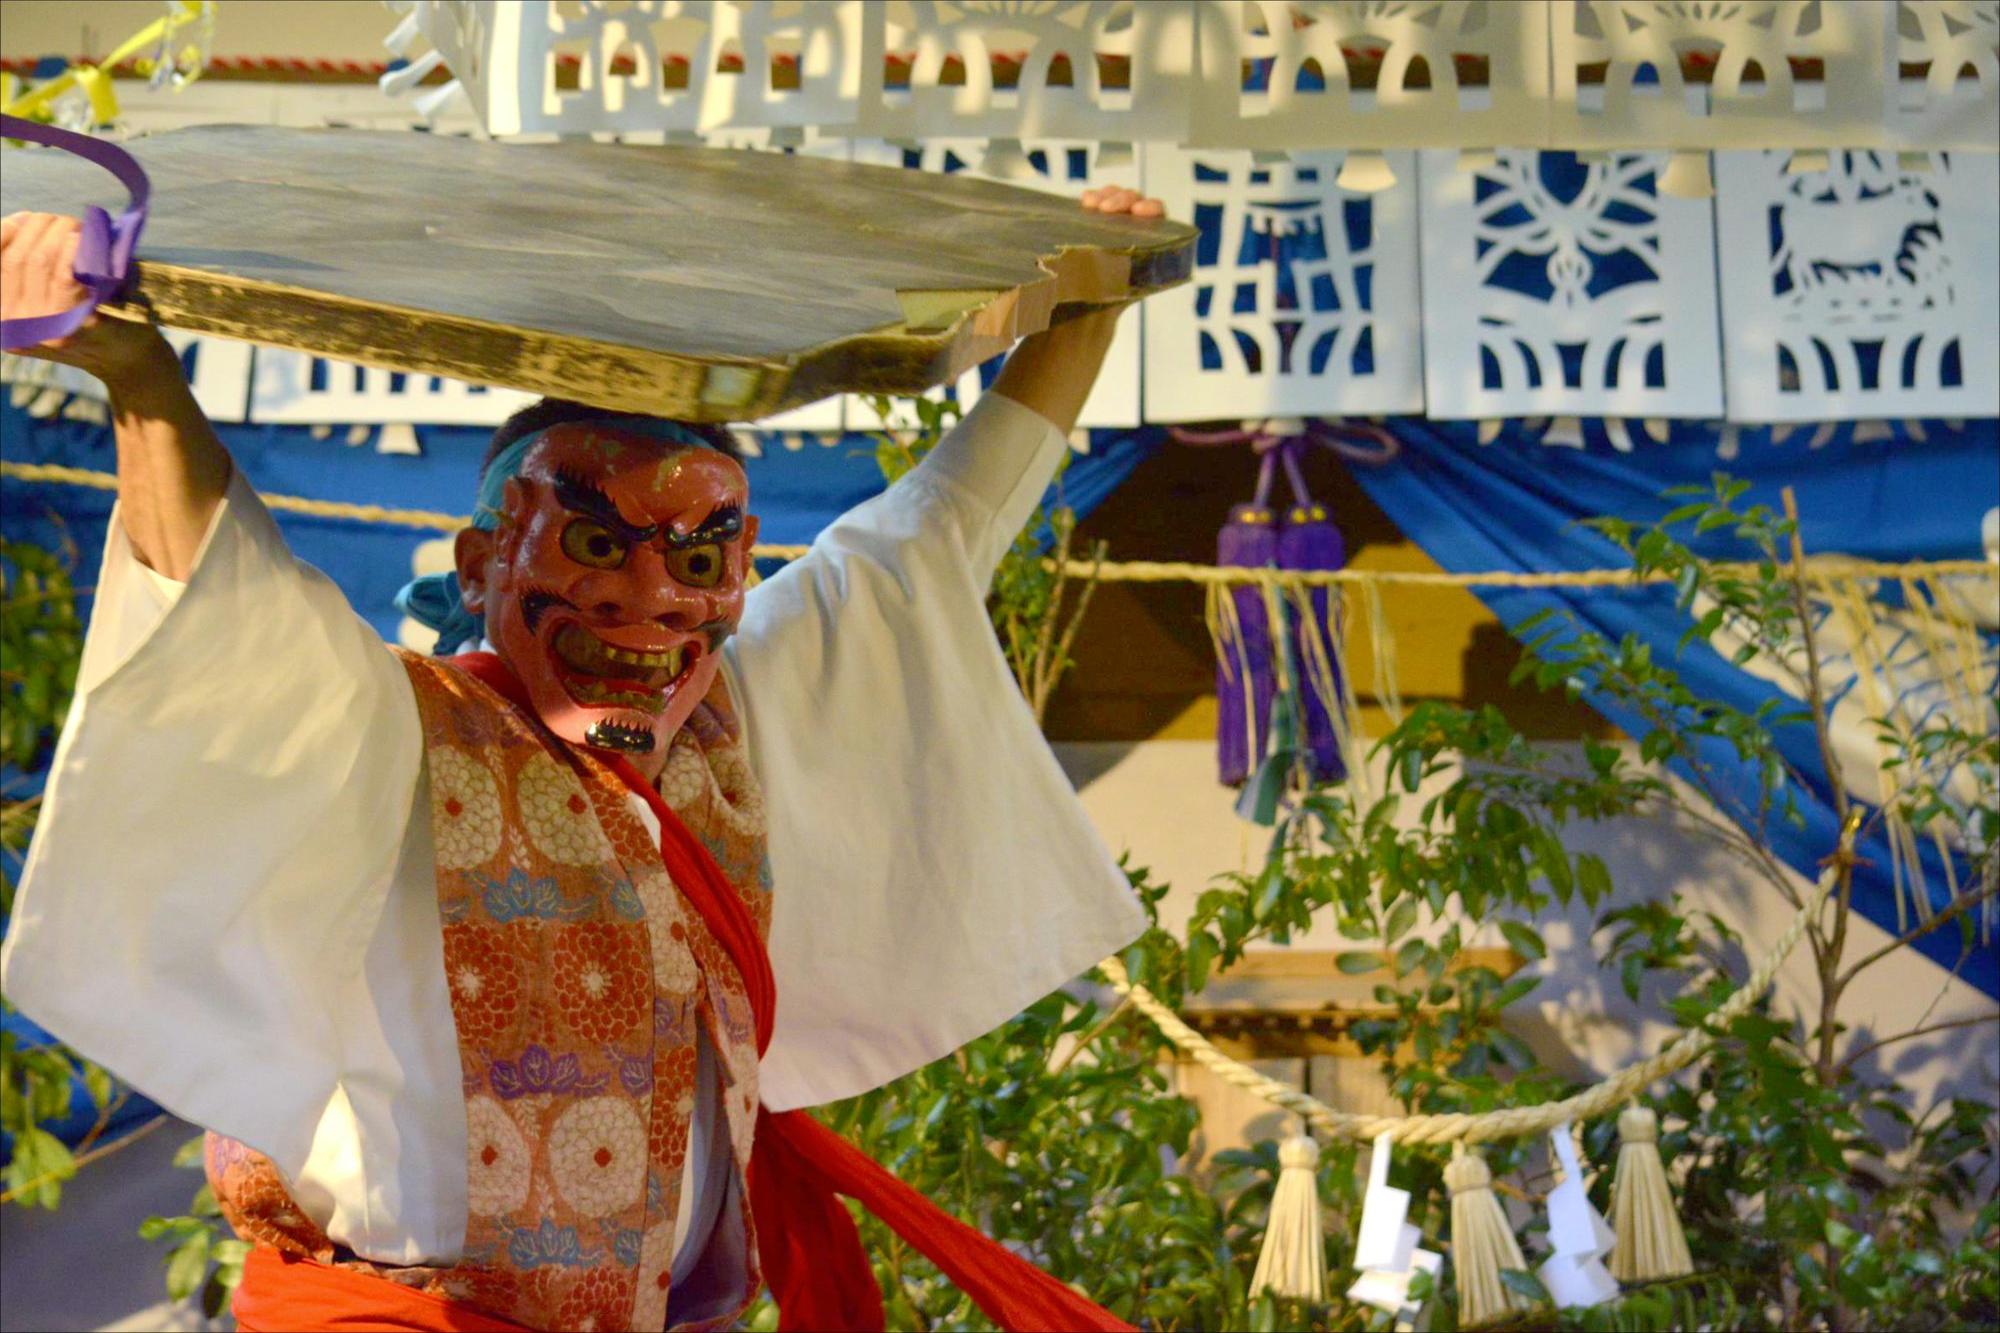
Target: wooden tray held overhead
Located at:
point(700, 283)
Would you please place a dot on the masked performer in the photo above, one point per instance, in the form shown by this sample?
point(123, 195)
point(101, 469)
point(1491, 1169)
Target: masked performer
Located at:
point(498, 975)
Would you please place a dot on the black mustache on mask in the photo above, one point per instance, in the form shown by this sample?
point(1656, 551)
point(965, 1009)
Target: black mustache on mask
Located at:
point(538, 602)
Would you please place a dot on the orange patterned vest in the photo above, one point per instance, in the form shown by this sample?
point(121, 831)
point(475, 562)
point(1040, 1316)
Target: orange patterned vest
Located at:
point(579, 976)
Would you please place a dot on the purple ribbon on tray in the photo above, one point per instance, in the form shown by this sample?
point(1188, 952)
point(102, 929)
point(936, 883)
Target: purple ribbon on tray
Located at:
point(103, 252)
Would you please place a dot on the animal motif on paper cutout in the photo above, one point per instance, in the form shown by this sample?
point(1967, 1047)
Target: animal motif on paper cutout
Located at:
point(1861, 224)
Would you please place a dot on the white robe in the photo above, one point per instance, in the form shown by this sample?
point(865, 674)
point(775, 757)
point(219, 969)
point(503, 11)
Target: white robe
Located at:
point(231, 899)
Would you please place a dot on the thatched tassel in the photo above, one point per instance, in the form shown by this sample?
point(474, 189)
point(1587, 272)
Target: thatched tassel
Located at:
point(1481, 1241)
point(1650, 1242)
point(1293, 1262)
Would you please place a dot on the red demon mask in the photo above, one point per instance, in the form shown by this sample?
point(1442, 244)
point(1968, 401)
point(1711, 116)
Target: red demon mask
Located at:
point(616, 571)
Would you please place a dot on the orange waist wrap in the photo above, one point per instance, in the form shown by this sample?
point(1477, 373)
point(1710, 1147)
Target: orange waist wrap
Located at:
point(282, 1293)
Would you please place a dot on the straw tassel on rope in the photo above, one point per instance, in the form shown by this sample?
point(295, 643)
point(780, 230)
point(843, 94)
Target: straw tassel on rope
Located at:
point(1482, 1243)
point(1650, 1241)
point(1293, 1261)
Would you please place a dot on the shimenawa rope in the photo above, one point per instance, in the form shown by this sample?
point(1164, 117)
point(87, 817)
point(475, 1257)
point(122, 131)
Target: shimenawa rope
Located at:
point(1129, 571)
point(1508, 1122)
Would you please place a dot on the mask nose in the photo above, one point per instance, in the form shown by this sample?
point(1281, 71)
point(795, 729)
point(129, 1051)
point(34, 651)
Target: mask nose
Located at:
point(643, 591)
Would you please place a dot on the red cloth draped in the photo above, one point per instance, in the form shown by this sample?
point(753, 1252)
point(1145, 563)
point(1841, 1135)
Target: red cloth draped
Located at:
point(281, 1293)
point(811, 1251)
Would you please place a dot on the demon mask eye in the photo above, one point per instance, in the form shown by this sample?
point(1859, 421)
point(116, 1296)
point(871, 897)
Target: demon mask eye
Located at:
point(590, 543)
point(697, 566)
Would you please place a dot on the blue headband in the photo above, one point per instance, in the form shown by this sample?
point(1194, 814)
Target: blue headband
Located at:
point(434, 600)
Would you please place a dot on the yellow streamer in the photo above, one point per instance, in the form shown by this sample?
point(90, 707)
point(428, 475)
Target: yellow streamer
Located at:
point(95, 79)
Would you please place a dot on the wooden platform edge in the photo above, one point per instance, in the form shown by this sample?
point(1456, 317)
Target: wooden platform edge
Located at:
point(949, 338)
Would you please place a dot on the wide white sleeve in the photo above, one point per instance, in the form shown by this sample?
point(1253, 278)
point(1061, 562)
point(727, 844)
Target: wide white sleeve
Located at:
point(222, 820)
point(934, 872)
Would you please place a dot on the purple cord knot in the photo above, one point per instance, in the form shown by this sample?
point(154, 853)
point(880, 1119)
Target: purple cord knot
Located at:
point(104, 250)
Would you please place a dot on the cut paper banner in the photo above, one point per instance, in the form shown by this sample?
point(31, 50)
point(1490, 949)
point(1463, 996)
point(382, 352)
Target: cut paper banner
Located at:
point(1559, 287)
point(1302, 296)
point(1955, 103)
point(1753, 94)
point(1028, 70)
point(1301, 93)
point(1863, 290)
point(590, 66)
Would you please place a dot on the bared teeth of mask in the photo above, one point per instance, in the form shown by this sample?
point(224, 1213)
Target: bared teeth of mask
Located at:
point(606, 696)
point(583, 650)
point(638, 659)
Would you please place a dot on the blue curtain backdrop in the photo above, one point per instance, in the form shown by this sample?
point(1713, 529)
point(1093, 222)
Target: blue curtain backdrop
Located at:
point(795, 493)
point(1513, 505)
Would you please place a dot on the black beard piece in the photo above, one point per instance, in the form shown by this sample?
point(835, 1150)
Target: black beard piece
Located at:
point(613, 736)
point(715, 633)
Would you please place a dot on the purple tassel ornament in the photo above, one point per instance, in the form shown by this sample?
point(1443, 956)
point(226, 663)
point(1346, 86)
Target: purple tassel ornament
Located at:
point(1243, 673)
point(1247, 676)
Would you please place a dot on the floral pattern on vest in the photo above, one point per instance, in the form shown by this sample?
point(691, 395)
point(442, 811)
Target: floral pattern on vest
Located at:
point(579, 977)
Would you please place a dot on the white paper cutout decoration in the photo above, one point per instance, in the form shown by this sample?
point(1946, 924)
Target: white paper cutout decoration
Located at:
point(458, 33)
point(588, 66)
point(1301, 94)
point(1865, 290)
point(580, 66)
point(1064, 167)
point(1955, 101)
point(1386, 1248)
point(1322, 73)
point(1753, 96)
point(799, 63)
point(1304, 296)
point(1575, 1273)
point(297, 388)
point(1563, 287)
point(1055, 53)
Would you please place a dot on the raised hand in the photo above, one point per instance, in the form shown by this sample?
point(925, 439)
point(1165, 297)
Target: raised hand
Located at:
point(37, 277)
point(1118, 199)
point(1053, 371)
point(172, 471)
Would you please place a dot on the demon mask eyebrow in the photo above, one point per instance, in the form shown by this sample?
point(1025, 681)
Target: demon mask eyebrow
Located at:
point(723, 524)
point(579, 493)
